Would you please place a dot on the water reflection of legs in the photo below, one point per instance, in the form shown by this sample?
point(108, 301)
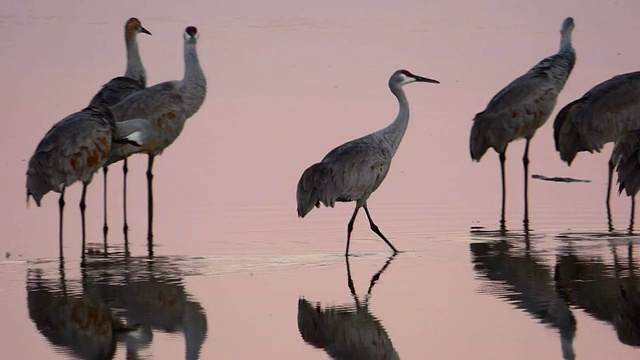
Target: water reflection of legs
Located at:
point(374, 279)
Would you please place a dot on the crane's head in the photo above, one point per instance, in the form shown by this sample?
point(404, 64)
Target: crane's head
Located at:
point(402, 77)
point(191, 34)
point(134, 26)
point(567, 26)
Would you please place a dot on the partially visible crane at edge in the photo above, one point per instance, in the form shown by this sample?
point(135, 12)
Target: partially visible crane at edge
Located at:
point(522, 107)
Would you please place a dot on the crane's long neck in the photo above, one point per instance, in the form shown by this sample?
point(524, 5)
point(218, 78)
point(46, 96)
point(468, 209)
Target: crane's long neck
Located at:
point(564, 62)
point(135, 69)
point(395, 131)
point(194, 83)
point(565, 42)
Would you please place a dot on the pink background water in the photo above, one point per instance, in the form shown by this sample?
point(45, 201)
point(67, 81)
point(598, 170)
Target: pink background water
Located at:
point(288, 81)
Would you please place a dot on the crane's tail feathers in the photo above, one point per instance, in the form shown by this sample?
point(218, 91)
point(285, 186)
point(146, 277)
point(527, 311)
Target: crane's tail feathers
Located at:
point(135, 139)
point(315, 186)
point(37, 187)
point(486, 133)
point(565, 135)
point(626, 155)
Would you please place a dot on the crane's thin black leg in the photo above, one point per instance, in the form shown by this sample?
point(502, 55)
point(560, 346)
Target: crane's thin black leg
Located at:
point(633, 214)
point(503, 157)
point(61, 209)
point(350, 228)
point(612, 166)
point(525, 163)
point(125, 170)
point(105, 227)
point(83, 206)
point(150, 199)
point(375, 229)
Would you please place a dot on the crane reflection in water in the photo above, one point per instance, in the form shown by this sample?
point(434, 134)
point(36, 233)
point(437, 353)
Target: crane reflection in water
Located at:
point(346, 331)
point(118, 301)
point(551, 292)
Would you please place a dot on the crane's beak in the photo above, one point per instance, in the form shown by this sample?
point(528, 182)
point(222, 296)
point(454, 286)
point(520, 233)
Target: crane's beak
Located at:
point(424, 79)
point(143, 30)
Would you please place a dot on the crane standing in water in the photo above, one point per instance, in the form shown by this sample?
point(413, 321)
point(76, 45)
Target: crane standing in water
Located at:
point(118, 88)
point(73, 150)
point(604, 114)
point(523, 106)
point(354, 170)
point(157, 114)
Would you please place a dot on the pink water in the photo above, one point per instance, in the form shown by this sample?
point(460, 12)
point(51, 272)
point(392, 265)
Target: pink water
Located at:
point(288, 81)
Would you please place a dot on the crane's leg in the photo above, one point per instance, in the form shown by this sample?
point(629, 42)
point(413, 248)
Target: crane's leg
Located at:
point(105, 227)
point(125, 170)
point(61, 209)
point(612, 166)
point(375, 229)
point(150, 199)
point(83, 206)
point(350, 228)
point(633, 214)
point(503, 157)
point(525, 163)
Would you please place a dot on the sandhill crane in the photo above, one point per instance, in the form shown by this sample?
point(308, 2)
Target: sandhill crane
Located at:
point(354, 170)
point(134, 79)
point(162, 111)
point(523, 106)
point(73, 150)
point(602, 115)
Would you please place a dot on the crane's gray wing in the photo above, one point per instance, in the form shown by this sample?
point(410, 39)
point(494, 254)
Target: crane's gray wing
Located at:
point(610, 109)
point(74, 149)
point(359, 167)
point(514, 112)
point(148, 103)
point(349, 172)
point(162, 105)
point(115, 91)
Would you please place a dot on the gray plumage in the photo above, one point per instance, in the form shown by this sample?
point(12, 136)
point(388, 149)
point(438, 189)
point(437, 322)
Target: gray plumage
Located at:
point(134, 80)
point(160, 112)
point(604, 114)
point(73, 150)
point(135, 76)
point(523, 106)
point(626, 156)
point(600, 116)
point(165, 107)
point(347, 331)
point(354, 170)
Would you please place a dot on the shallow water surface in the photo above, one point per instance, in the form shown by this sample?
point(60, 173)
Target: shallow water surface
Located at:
point(233, 273)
